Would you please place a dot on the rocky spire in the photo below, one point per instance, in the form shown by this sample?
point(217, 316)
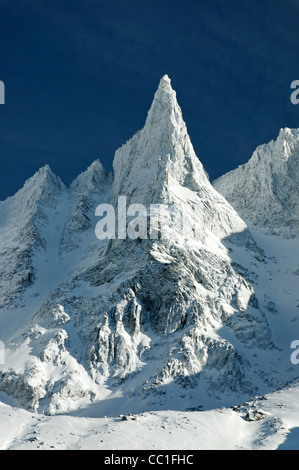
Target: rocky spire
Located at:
point(165, 113)
point(161, 151)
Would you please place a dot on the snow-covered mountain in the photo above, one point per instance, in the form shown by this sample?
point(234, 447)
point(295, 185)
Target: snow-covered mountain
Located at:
point(23, 218)
point(265, 191)
point(186, 321)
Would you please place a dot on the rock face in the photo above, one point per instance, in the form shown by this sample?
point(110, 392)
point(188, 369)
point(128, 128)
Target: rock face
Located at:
point(265, 191)
point(132, 324)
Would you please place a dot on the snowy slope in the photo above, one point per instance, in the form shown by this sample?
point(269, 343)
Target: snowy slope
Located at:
point(200, 319)
point(270, 422)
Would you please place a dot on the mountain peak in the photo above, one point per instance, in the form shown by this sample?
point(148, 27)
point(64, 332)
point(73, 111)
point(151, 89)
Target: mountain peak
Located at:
point(165, 112)
point(42, 173)
point(264, 191)
point(43, 184)
point(160, 152)
point(159, 165)
point(287, 132)
point(165, 84)
point(91, 180)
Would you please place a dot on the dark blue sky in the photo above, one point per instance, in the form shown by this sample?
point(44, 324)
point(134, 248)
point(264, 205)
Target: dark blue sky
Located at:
point(80, 76)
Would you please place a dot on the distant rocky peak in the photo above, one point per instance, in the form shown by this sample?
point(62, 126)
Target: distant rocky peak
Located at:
point(265, 191)
point(44, 180)
point(41, 190)
point(91, 180)
point(280, 150)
